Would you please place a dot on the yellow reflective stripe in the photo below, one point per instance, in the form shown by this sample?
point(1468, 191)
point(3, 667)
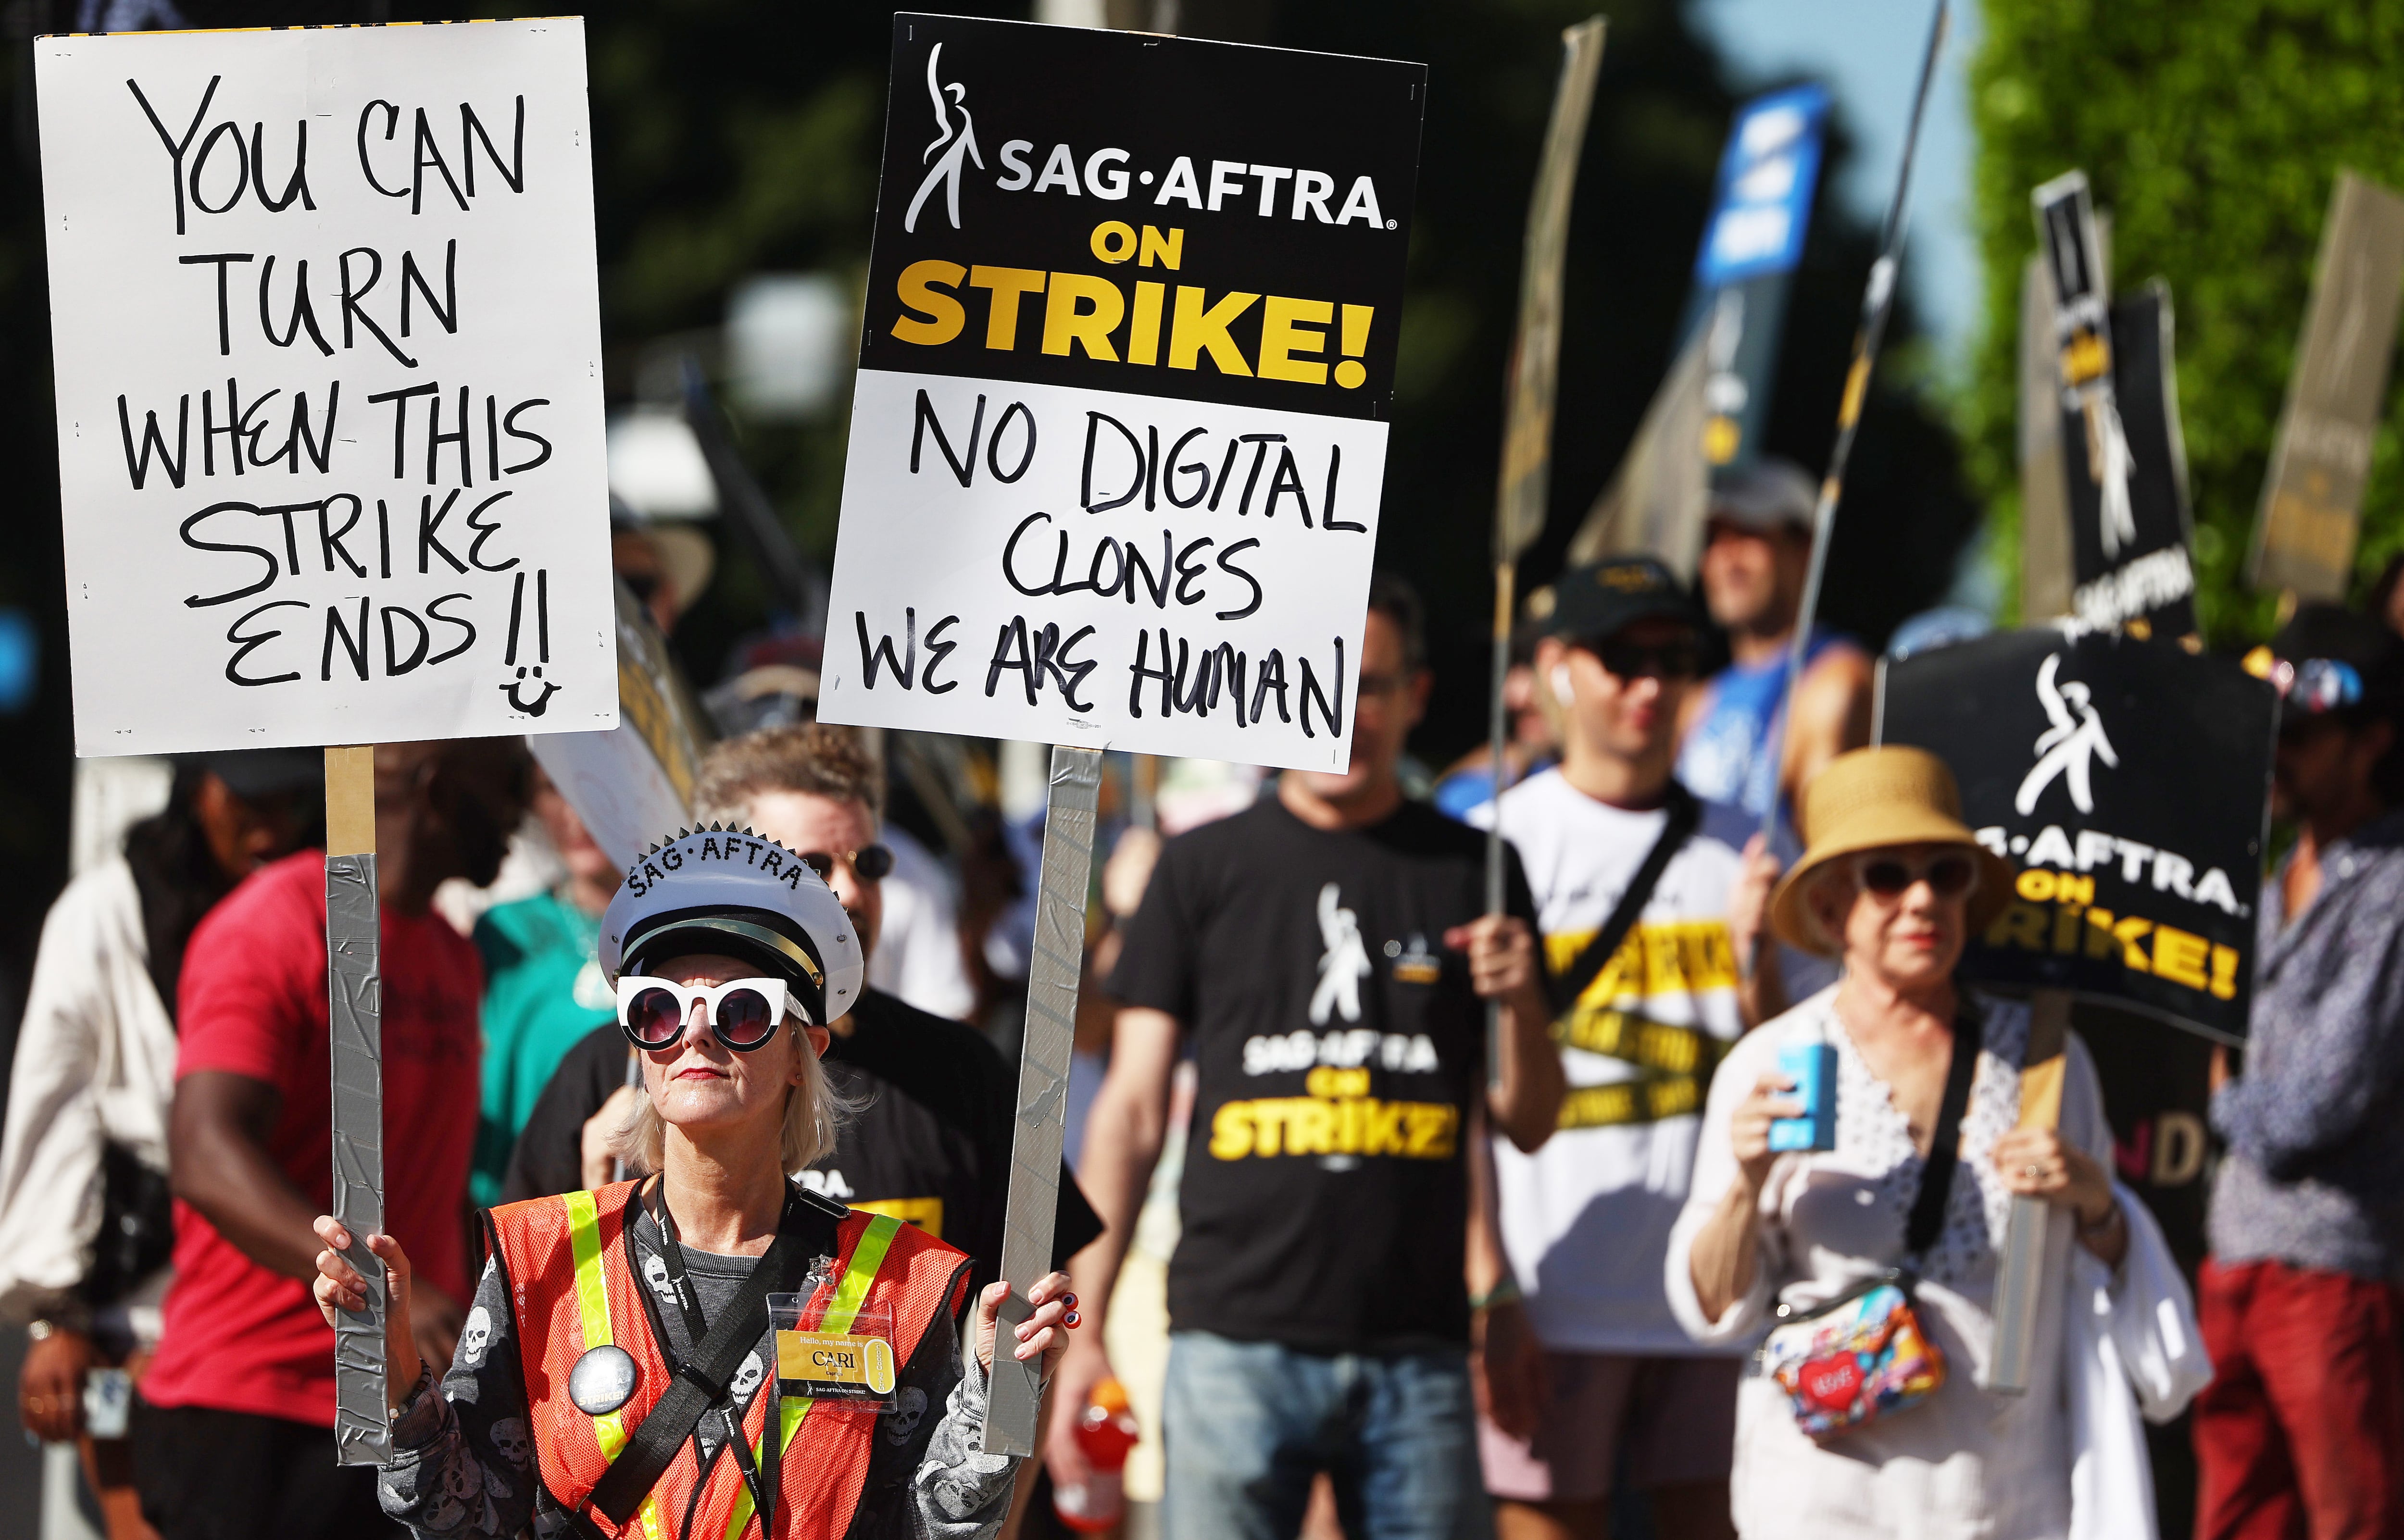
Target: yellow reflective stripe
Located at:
point(866, 1259)
point(842, 1311)
point(592, 1303)
point(593, 1309)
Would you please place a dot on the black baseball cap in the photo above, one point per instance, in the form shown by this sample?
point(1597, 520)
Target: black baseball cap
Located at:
point(1596, 601)
point(262, 776)
point(2328, 660)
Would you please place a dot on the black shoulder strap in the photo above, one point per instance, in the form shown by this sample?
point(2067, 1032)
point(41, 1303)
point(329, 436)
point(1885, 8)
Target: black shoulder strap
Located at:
point(803, 1235)
point(1685, 815)
point(1944, 1148)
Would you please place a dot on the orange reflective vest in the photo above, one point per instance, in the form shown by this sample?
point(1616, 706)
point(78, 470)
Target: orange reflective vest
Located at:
point(572, 1288)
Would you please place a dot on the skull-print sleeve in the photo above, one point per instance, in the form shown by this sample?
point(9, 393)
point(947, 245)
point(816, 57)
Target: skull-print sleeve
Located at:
point(462, 1465)
point(958, 1492)
point(926, 1480)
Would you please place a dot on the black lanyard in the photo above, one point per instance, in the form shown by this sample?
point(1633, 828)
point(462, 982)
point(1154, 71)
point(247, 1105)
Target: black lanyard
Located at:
point(760, 1477)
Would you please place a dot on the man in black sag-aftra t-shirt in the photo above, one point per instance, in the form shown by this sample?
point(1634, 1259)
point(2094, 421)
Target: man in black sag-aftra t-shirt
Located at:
point(1324, 953)
point(935, 1103)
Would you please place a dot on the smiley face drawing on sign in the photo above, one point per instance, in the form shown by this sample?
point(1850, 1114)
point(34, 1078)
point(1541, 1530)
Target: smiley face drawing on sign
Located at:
point(536, 706)
point(544, 689)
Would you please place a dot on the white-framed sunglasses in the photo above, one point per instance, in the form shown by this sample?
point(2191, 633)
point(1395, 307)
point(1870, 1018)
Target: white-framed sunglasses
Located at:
point(744, 1012)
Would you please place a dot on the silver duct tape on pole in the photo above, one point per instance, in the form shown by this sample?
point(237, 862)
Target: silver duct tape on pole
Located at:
point(2019, 1277)
point(2019, 1273)
point(362, 1432)
point(1017, 1388)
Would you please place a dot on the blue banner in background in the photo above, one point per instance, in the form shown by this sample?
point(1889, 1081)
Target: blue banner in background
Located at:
point(1751, 247)
point(1762, 207)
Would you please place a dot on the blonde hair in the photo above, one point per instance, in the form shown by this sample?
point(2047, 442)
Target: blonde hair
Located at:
point(814, 1114)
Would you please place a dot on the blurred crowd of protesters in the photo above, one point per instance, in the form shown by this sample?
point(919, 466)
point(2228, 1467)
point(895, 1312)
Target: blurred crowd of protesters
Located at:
point(1395, 1218)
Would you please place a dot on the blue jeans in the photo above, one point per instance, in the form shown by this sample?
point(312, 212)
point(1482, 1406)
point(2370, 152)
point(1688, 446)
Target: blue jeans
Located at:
point(1245, 1425)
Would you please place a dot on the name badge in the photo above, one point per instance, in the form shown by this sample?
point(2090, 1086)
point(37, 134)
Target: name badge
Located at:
point(829, 1358)
point(847, 1361)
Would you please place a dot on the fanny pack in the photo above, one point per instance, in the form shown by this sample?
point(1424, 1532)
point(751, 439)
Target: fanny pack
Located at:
point(1863, 1354)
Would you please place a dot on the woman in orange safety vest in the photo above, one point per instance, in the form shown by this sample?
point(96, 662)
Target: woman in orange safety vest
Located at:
point(620, 1372)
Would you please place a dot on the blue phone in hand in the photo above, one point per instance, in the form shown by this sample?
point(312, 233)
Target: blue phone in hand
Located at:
point(1812, 1067)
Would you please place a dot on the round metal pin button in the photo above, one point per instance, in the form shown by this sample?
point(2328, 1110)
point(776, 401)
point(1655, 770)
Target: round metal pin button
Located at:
point(602, 1380)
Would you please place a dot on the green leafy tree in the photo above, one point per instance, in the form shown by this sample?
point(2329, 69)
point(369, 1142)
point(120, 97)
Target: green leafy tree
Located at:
point(2213, 131)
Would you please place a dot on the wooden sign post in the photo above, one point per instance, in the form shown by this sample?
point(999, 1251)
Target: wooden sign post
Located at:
point(1525, 479)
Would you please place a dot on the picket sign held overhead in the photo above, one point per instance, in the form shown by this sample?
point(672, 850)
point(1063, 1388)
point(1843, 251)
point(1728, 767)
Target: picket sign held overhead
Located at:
point(1119, 434)
point(328, 363)
point(2305, 527)
point(2123, 464)
point(1713, 401)
point(1117, 444)
point(2128, 781)
point(328, 352)
point(1523, 482)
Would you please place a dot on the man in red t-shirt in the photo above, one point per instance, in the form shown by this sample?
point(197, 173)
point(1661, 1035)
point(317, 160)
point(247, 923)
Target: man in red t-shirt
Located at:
point(234, 1424)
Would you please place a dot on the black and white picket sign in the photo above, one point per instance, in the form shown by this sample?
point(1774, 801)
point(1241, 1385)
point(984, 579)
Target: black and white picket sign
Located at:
point(2121, 456)
point(1117, 443)
point(1119, 431)
point(2128, 782)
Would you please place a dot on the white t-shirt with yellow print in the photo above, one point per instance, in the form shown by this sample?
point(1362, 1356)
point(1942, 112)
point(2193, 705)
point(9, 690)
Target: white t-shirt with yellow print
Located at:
point(1586, 1218)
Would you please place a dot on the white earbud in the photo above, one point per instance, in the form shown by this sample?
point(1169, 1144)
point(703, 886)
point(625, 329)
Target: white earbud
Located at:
point(1563, 690)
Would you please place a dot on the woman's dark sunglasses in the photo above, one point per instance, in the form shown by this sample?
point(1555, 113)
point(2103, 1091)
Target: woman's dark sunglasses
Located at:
point(744, 1012)
point(870, 862)
point(1948, 876)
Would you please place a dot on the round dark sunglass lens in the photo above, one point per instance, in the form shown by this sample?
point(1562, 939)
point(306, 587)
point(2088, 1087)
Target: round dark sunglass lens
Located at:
point(654, 1018)
point(873, 863)
point(1949, 875)
point(745, 1020)
point(1886, 878)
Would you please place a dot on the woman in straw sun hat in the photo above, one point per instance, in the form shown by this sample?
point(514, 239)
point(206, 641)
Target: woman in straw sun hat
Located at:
point(1874, 1262)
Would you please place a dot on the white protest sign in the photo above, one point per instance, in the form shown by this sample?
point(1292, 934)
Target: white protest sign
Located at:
point(328, 373)
point(1229, 634)
point(1118, 435)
